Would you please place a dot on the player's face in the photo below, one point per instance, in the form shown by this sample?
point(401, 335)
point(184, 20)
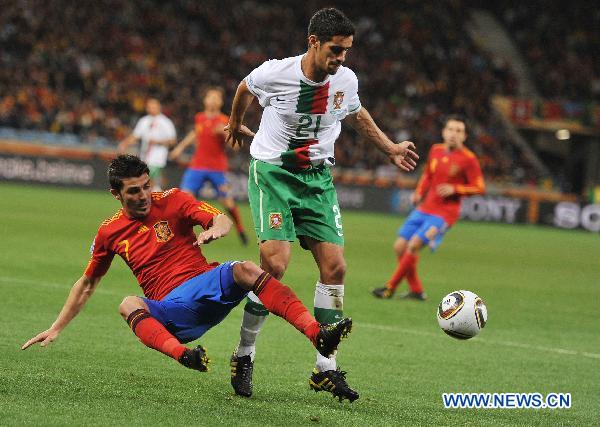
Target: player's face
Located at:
point(153, 107)
point(454, 134)
point(213, 100)
point(135, 196)
point(332, 54)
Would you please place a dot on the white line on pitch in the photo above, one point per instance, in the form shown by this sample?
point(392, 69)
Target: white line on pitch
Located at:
point(65, 286)
point(482, 340)
point(17, 280)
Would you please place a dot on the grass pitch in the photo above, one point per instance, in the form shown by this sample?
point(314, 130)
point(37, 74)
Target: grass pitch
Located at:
point(541, 287)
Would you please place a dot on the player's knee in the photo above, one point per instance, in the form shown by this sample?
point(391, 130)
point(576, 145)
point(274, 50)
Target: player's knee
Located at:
point(246, 273)
point(129, 305)
point(415, 245)
point(400, 246)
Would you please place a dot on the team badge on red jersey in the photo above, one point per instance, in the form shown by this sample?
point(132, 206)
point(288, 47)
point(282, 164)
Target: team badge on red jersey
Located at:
point(338, 98)
point(163, 231)
point(275, 220)
point(453, 170)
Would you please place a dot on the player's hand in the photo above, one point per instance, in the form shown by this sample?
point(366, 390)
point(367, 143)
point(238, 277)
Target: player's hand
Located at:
point(445, 190)
point(415, 198)
point(121, 148)
point(208, 236)
point(174, 154)
point(44, 338)
point(404, 155)
point(236, 136)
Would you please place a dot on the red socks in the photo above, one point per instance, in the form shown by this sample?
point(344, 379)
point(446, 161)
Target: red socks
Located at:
point(406, 263)
point(153, 334)
point(414, 283)
point(237, 219)
point(281, 301)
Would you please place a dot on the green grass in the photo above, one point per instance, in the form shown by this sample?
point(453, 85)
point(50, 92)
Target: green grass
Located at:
point(541, 286)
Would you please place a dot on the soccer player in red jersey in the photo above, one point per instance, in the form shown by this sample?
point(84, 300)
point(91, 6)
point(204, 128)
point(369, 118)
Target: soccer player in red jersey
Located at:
point(209, 162)
point(184, 295)
point(452, 172)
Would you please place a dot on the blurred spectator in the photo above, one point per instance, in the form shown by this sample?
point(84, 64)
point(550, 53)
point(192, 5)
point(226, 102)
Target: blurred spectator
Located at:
point(561, 43)
point(87, 69)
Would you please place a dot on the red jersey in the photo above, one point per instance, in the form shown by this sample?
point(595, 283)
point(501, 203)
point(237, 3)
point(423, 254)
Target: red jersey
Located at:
point(459, 168)
point(158, 248)
point(210, 146)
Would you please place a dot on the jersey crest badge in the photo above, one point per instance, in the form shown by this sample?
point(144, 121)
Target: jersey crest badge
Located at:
point(163, 232)
point(338, 98)
point(275, 220)
point(454, 169)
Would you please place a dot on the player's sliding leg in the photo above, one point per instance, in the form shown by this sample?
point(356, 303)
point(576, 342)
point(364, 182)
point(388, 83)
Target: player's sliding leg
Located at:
point(281, 301)
point(328, 309)
point(153, 334)
point(275, 257)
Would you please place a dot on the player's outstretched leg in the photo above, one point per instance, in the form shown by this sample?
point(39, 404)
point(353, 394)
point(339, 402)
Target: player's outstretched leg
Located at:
point(281, 301)
point(153, 334)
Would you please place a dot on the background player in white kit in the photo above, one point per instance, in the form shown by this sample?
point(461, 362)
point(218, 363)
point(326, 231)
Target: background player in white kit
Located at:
point(157, 133)
point(290, 187)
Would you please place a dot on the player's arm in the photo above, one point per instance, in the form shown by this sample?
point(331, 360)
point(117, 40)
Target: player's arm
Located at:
point(236, 131)
point(221, 224)
point(402, 155)
point(212, 220)
point(125, 143)
point(185, 143)
point(81, 291)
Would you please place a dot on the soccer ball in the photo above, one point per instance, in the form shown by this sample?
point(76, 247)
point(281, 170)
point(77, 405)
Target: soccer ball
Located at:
point(462, 314)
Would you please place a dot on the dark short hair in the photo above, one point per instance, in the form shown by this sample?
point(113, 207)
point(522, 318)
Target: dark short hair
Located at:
point(330, 22)
point(125, 166)
point(456, 118)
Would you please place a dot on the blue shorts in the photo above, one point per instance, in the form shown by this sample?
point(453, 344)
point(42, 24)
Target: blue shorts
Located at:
point(198, 304)
point(429, 228)
point(194, 179)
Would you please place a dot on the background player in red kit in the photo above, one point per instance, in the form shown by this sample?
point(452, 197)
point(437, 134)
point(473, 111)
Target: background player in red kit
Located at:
point(209, 162)
point(452, 172)
point(184, 296)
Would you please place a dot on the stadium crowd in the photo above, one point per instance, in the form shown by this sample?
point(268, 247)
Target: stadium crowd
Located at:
point(561, 45)
point(87, 70)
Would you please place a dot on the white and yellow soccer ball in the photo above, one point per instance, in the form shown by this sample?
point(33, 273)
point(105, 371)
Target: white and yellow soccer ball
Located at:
point(462, 314)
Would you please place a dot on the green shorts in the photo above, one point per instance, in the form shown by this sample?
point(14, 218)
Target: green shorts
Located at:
point(286, 204)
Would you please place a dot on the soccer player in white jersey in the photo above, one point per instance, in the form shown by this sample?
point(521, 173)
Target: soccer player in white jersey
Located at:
point(157, 133)
point(290, 187)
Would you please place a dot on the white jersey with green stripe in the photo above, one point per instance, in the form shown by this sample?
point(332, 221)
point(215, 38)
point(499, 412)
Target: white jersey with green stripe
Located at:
point(301, 118)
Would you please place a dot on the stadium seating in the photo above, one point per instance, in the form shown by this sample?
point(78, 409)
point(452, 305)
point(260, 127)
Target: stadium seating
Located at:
point(86, 70)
